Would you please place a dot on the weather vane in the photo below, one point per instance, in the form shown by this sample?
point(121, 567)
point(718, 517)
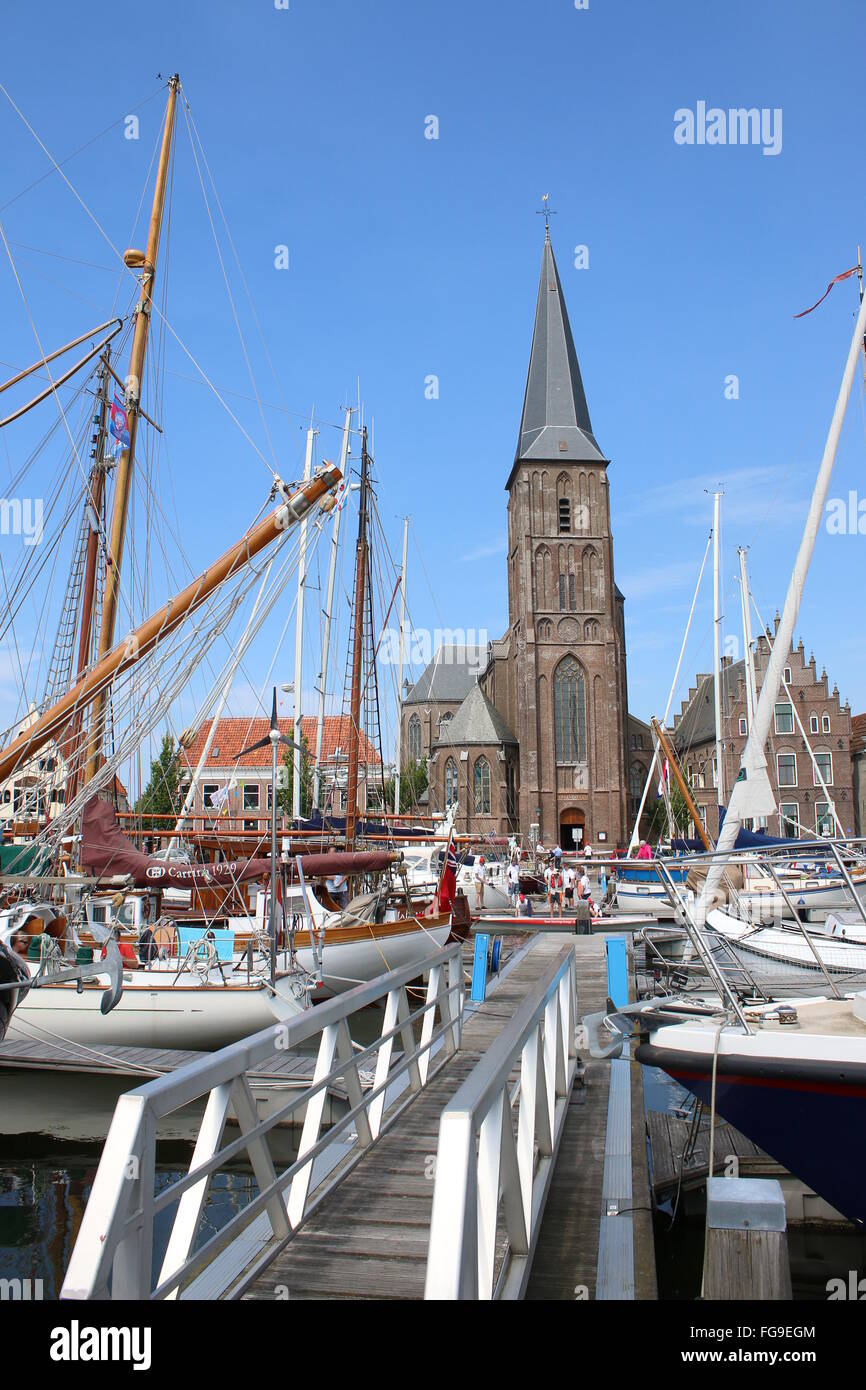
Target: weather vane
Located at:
point(545, 211)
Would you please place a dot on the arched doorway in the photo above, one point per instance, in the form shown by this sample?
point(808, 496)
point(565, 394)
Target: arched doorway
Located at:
point(572, 824)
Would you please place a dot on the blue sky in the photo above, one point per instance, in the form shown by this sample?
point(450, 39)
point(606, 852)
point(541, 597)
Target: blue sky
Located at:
point(411, 257)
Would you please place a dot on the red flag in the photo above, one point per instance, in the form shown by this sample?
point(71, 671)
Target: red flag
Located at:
point(844, 276)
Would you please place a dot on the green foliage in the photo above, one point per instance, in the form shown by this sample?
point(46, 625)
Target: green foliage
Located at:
point(413, 784)
point(658, 828)
point(161, 796)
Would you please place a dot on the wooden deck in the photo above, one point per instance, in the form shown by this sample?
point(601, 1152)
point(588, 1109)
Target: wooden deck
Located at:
point(669, 1141)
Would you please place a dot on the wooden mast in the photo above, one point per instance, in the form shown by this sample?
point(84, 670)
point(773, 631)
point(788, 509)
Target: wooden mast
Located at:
point(681, 782)
point(162, 623)
point(122, 486)
point(357, 652)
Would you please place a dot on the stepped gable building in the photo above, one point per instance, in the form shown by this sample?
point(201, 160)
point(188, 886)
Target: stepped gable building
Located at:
point(803, 806)
point(545, 741)
point(858, 758)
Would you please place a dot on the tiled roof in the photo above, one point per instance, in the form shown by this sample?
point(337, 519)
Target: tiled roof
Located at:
point(234, 735)
point(858, 732)
point(476, 721)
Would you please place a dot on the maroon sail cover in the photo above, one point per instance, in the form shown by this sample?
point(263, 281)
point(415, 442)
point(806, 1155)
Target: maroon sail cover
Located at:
point(107, 852)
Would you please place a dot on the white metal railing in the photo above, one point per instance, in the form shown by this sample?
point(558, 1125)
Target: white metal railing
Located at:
point(481, 1164)
point(114, 1253)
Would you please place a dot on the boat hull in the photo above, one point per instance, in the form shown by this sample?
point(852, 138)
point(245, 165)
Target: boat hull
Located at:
point(354, 955)
point(158, 1015)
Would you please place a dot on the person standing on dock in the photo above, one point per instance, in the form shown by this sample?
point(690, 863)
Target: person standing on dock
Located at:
point(479, 874)
point(514, 884)
point(555, 894)
point(568, 880)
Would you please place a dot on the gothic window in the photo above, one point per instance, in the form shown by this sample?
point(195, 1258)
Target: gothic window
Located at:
point(545, 628)
point(414, 739)
point(592, 631)
point(564, 516)
point(482, 787)
point(635, 781)
point(569, 712)
point(450, 783)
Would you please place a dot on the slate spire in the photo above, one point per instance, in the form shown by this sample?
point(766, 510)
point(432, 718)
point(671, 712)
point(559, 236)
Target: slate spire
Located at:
point(555, 425)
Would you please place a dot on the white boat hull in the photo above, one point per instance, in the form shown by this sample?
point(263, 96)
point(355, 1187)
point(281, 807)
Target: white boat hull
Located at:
point(347, 964)
point(150, 1013)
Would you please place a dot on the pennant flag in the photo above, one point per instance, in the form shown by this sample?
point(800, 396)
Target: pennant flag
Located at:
point(846, 274)
point(118, 425)
point(342, 494)
point(664, 778)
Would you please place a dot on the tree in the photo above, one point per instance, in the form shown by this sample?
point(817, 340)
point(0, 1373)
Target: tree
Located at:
point(161, 796)
point(286, 780)
point(680, 816)
point(413, 785)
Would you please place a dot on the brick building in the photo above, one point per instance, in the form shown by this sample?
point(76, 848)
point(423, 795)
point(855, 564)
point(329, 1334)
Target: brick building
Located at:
point(803, 807)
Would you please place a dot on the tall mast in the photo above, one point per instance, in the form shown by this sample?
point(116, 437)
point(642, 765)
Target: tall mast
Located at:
point(751, 690)
point(400, 667)
point(328, 616)
point(717, 650)
point(123, 480)
point(357, 651)
point(297, 760)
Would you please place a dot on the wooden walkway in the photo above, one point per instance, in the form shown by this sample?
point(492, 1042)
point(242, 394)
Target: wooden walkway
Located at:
point(369, 1238)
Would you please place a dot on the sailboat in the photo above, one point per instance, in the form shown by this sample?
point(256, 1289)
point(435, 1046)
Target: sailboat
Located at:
point(790, 1075)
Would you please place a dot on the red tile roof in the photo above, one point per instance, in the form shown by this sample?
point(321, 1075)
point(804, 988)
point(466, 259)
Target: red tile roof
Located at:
point(234, 735)
point(858, 732)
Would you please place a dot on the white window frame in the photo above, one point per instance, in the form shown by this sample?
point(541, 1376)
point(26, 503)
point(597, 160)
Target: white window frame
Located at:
point(784, 819)
point(827, 816)
point(822, 753)
point(744, 726)
point(252, 805)
point(788, 676)
point(786, 753)
point(825, 723)
point(207, 790)
point(783, 704)
point(813, 723)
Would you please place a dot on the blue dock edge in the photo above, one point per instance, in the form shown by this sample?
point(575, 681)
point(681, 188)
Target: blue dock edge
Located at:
point(617, 971)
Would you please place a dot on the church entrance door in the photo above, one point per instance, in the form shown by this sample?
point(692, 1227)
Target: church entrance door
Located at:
point(572, 824)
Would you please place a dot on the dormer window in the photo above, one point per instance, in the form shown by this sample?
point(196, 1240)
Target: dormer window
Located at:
point(214, 752)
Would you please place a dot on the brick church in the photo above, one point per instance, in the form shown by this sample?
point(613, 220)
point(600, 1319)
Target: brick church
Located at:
point(532, 733)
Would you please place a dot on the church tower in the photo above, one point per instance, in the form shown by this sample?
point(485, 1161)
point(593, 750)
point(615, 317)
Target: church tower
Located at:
point(566, 692)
